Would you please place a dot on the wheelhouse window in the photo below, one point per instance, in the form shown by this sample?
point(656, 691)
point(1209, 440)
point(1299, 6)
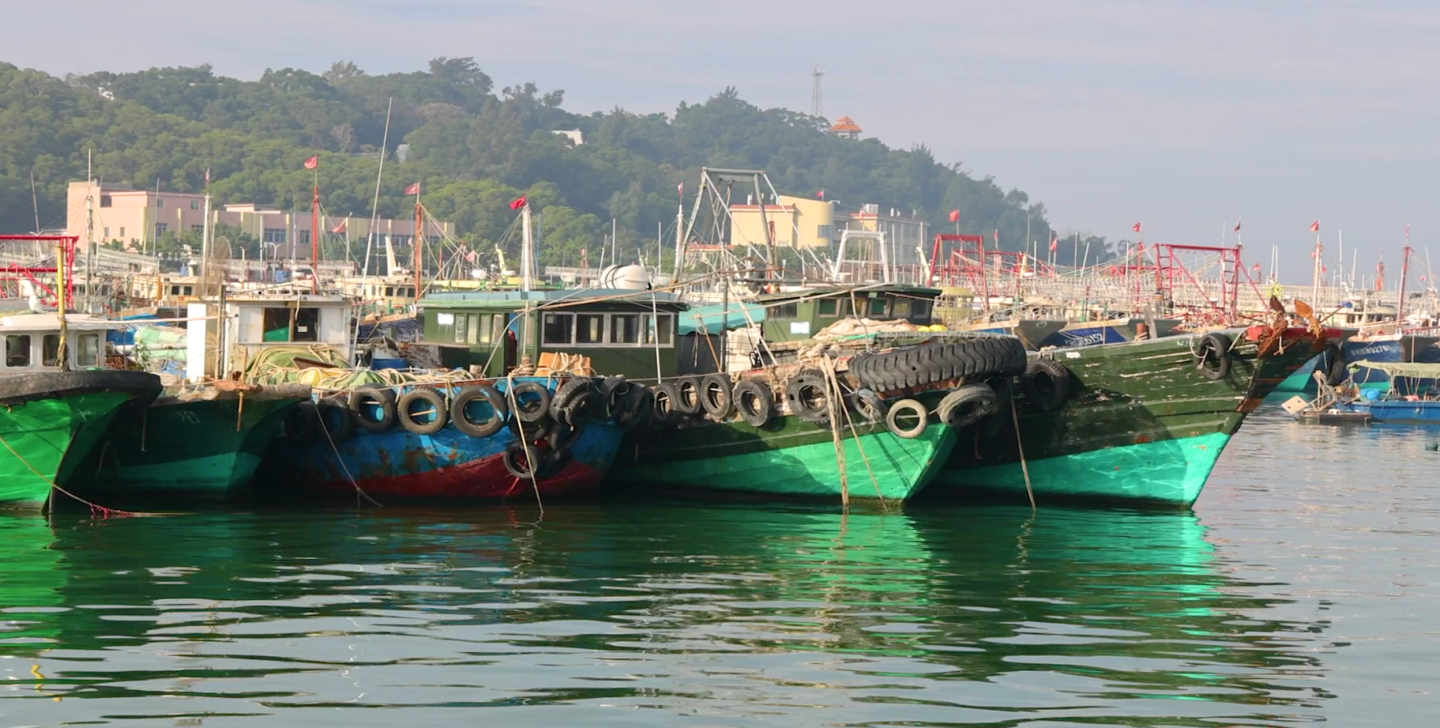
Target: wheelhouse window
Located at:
point(282, 324)
point(878, 307)
point(87, 350)
point(901, 308)
point(829, 307)
point(662, 334)
point(557, 328)
point(625, 328)
point(307, 325)
point(462, 328)
point(17, 350)
point(786, 311)
point(50, 350)
point(590, 328)
point(920, 310)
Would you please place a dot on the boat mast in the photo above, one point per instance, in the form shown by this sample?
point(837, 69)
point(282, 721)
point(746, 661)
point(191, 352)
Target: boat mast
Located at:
point(527, 251)
point(89, 227)
point(419, 238)
point(315, 233)
point(1400, 304)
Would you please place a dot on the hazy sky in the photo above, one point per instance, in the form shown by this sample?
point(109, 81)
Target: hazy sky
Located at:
point(1184, 114)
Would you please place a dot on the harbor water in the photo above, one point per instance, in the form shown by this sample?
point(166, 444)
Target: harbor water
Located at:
point(1299, 591)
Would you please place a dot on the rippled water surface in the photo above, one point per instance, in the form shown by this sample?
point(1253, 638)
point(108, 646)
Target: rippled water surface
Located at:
point(1302, 590)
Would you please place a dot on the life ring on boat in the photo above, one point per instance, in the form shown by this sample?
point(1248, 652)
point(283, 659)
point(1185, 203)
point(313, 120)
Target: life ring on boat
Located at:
point(373, 397)
point(688, 401)
point(1213, 356)
point(1046, 383)
point(752, 399)
point(574, 400)
point(715, 396)
point(907, 408)
point(334, 418)
point(1335, 372)
point(532, 401)
point(808, 395)
point(665, 405)
point(967, 405)
point(460, 411)
point(432, 403)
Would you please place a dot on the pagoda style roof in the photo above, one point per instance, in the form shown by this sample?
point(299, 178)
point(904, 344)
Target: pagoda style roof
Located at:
point(846, 124)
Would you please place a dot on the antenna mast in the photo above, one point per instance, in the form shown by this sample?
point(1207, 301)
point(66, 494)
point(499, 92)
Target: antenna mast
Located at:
point(817, 98)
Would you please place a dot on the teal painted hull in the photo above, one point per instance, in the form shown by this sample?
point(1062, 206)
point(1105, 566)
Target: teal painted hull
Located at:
point(1171, 472)
point(878, 465)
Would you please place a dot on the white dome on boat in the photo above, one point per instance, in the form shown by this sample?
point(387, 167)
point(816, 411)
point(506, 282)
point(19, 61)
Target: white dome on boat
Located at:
point(627, 277)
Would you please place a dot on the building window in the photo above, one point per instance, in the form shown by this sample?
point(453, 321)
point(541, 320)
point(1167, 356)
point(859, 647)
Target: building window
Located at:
point(557, 328)
point(389, 291)
point(189, 290)
point(175, 291)
point(665, 332)
point(194, 204)
point(17, 350)
point(50, 350)
point(824, 232)
point(786, 311)
point(160, 229)
point(105, 200)
point(107, 233)
point(197, 229)
point(159, 202)
point(829, 306)
point(625, 328)
point(122, 232)
point(87, 350)
point(590, 328)
point(274, 235)
point(302, 237)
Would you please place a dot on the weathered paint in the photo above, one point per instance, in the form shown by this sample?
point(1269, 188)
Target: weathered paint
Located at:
point(45, 439)
point(788, 458)
point(207, 449)
point(445, 465)
point(1127, 395)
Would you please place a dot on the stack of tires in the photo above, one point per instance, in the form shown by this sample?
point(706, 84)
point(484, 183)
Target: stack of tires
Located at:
point(923, 364)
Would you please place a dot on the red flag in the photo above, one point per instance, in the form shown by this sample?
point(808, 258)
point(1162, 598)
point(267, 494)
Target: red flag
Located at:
point(1136, 227)
point(1237, 226)
point(1315, 226)
point(518, 203)
point(997, 236)
point(207, 181)
point(954, 216)
point(413, 189)
point(821, 193)
point(1255, 267)
point(1054, 242)
point(680, 189)
point(338, 228)
point(312, 162)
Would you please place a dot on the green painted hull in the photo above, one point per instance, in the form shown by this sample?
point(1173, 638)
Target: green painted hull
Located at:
point(786, 459)
point(1143, 425)
point(200, 449)
point(45, 440)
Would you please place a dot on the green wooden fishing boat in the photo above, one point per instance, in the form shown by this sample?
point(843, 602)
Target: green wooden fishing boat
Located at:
point(50, 421)
point(201, 442)
point(1138, 422)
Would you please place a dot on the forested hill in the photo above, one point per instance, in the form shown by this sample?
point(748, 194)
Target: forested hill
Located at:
point(473, 147)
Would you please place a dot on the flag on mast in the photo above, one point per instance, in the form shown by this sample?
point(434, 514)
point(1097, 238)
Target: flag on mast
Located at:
point(518, 203)
point(821, 193)
point(1135, 227)
point(1315, 226)
point(1237, 226)
point(313, 162)
point(1054, 242)
point(413, 189)
point(954, 216)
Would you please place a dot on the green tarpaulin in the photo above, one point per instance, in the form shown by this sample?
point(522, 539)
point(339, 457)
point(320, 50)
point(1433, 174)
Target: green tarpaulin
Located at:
point(1401, 369)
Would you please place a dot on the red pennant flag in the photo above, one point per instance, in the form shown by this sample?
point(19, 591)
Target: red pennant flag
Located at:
point(1315, 226)
point(1054, 242)
point(1136, 227)
point(518, 203)
point(821, 193)
point(1237, 226)
point(413, 189)
point(1255, 267)
point(338, 228)
point(954, 216)
point(312, 162)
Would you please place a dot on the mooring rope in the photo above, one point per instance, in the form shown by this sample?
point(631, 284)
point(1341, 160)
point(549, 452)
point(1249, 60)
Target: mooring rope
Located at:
point(359, 492)
point(524, 441)
point(94, 507)
point(1019, 443)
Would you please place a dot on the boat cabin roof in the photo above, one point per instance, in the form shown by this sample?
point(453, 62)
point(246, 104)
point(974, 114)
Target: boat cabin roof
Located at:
point(590, 298)
point(859, 291)
point(51, 322)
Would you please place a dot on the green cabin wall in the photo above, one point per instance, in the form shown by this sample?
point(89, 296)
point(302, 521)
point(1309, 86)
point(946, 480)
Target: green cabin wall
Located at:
point(777, 326)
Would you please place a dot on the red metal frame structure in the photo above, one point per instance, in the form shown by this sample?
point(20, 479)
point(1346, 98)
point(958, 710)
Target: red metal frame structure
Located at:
point(1170, 267)
point(66, 243)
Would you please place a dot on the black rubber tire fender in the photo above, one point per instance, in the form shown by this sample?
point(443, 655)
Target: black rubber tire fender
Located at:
point(1213, 347)
point(460, 415)
point(428, 396)
point(1046, 383)
point(373, 395)
point(574, 400)
point(335, 418)
point(808, 394)
point(552, 463)
point(967, 405)
point(902, 408)
point(1335, 370)
point(715, 396)
point(688, 401)
point(666, 401)
point(563, 436)
point(613, 393)
point(754, 402)
point(532, 401)
point(517, 462)
point(870, 405)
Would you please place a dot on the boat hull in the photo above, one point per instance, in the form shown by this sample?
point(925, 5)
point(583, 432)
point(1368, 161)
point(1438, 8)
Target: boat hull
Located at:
point(50, 422)
point(786, 459)
point(195, 449)
point(1142, 426)
point(1396, 411)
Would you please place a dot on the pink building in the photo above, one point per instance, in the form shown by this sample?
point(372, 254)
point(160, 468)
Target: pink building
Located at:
point(137, 218)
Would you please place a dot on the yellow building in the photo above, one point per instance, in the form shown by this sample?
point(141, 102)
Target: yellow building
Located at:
point(792, 222)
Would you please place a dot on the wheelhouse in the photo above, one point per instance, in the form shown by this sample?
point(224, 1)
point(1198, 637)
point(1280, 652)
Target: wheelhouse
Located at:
point(32, 343)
